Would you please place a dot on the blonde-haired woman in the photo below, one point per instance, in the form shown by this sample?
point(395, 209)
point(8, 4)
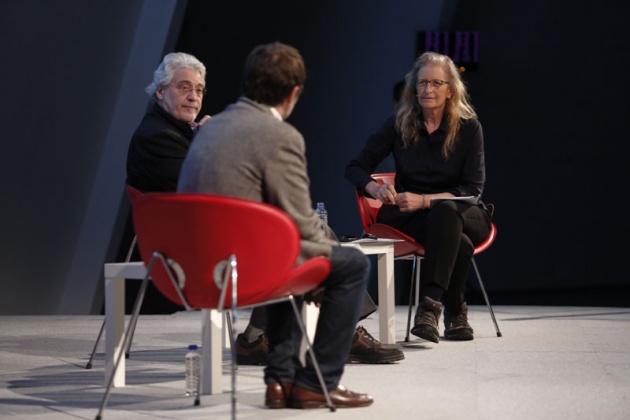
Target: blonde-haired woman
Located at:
point(437, 145)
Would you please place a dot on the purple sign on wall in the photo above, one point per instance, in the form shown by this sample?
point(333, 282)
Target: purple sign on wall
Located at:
point(461, 46)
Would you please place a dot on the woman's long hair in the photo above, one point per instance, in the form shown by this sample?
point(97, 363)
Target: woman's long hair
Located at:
point(409, 113)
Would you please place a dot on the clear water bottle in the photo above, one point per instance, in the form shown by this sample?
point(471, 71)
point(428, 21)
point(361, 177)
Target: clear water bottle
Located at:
point(192, 363)
point(322, 212)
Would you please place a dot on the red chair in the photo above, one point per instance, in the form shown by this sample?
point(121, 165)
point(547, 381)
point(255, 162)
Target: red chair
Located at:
point(215, 252)
point(407, 248)
point(133, 194)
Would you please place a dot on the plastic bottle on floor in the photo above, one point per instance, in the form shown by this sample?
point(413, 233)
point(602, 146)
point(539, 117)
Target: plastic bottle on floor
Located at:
point(192, 362)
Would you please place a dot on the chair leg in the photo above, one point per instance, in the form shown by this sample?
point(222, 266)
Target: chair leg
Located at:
point(485, 296)
point(309, 348)
point(414, 295)
point(131, 248)
point(100, 333)
point(119, 356)
point(231, 337)
point(411, 302)
point(98, 339)
point(232, 320)
point(230, 327)
point(132, 330)
point(139, 300)
point(204, 350)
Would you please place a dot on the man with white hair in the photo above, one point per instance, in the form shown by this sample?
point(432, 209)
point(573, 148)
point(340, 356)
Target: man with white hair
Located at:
point(161, 141)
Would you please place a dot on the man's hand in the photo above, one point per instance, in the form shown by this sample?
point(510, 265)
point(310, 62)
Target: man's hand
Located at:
point(315, 296)
point(196, 125)
point(203, 120)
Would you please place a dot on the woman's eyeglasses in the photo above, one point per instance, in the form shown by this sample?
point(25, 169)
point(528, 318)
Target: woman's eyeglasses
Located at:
point(435, 84)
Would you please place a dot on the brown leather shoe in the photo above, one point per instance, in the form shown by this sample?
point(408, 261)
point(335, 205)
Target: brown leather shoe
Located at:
point(367, 349)
point(278, 394)
point(251, 353)
point(341, 397)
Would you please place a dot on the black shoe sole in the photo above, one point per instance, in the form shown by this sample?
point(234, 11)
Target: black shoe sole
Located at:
point(426, 332)
point(375, 361)
point(459, 335)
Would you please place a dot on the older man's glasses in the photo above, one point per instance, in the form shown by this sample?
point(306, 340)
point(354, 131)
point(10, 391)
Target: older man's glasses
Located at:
point(185, 89)
point(435, 84)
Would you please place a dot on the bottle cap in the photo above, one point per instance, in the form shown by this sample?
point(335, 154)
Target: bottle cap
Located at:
point(192, 347)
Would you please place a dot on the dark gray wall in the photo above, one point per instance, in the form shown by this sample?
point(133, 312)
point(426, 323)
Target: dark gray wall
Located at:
point(551, 93)
point(73, 76)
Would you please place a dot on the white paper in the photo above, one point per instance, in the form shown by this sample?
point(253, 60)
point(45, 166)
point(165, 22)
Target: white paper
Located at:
point(374, 241)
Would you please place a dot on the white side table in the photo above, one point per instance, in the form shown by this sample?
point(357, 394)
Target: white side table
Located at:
point(384, 248)
point(115, 275)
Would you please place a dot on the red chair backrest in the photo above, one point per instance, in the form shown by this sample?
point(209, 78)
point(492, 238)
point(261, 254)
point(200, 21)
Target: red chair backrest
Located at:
point(133, 193)
point(197, 231)
point(488, 241)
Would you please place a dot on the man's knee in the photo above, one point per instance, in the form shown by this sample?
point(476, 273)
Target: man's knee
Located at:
point(350, 263)
point(359, 260)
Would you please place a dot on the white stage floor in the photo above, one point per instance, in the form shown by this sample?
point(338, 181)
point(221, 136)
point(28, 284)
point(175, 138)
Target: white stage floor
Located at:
point(551, 363)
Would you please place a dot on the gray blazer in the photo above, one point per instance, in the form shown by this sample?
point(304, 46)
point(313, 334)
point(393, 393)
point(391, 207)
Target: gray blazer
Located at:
point(246, 152)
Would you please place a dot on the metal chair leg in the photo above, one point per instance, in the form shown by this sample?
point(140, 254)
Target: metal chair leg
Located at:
point(110, 381)
point(485, 296)
point(231, 337)
point(98, 339)
point(132, 327)
point(206, 329)
point(309, 347)
point(412, 299)
point(231, 278)
point(100, 333)
point(138, 302)
point(232, 319)
point(230, 327)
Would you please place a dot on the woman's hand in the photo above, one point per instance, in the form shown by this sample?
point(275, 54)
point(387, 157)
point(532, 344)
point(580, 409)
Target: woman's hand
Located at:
point(408, 202)
point(386, 193)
